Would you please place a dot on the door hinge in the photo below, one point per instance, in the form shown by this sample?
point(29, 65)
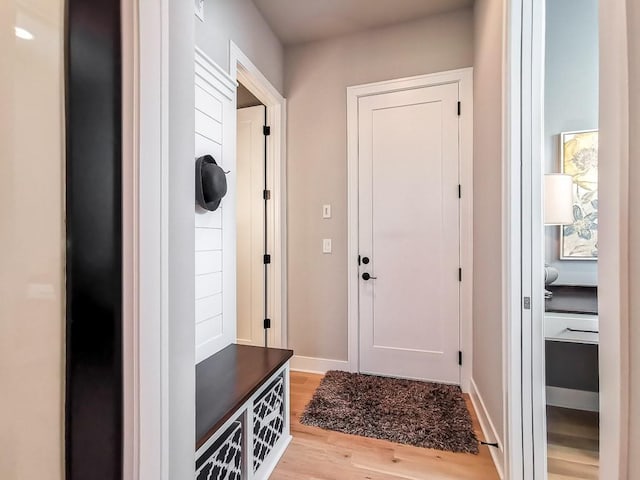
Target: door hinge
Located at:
point(459, 108)
point(267, 259)
point(459, 357)
point(459, 191)
point(266, 194)
point(267, 323)
point(266, 131)
point(526, 303)
point(460, 274)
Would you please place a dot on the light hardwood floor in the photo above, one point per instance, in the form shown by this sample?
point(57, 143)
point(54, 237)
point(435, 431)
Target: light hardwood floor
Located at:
point(572, 444)
point(324, 455)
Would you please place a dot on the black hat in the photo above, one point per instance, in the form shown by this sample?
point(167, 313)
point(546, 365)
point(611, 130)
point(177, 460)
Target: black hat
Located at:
point(211, 183)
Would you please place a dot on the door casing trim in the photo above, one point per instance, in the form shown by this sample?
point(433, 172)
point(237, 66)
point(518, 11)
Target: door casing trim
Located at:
point(464, 78)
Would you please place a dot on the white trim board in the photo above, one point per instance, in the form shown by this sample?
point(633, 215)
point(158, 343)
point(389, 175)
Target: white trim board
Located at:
point(317, 365)
point(162, 336)
point(488, 429)
point(152, 457)
point(210, 72)
point(511, 287)
point(533, 232)
point(242, 69)
point(464, 78)
point(219, 328)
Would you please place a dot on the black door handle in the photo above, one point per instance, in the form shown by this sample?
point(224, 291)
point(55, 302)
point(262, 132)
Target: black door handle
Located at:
point(366, 276)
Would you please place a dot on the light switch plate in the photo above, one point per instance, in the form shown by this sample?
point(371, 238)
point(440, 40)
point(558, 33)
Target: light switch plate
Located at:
point(326, 245)
point(326, 211)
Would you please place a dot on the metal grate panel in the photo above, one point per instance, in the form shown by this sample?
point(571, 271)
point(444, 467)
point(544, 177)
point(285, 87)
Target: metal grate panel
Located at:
point(224, 458)
point(268, 421)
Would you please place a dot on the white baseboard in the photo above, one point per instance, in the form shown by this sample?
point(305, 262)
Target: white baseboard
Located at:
point(488, 429)
point(317, 365)
point(575, 399)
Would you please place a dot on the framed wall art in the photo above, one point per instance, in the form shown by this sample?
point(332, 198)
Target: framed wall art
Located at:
point(579, 158)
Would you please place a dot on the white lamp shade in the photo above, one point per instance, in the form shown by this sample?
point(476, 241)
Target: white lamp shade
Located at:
point(558, 199)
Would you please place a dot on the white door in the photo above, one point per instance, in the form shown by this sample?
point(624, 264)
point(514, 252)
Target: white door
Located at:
point(409, 240)
point(250, 225)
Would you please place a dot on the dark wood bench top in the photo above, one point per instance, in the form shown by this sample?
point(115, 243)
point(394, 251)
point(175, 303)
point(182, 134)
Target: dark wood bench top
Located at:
point(226, 380)
point(570, 299)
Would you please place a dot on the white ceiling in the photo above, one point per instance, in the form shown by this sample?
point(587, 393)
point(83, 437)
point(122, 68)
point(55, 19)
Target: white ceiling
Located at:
point(298, 21)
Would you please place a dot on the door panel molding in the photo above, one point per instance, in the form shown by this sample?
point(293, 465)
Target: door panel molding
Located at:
point(250, 278)
point(464, 79)
point(408, 327)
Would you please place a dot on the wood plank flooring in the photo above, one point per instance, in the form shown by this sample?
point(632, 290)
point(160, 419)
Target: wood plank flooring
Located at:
point(572, 444)
point(324, 455)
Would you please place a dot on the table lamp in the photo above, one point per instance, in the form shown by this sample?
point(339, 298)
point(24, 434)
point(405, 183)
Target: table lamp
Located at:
point(558, 210)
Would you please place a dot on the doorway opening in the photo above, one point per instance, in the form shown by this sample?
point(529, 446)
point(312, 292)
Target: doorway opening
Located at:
point(552, 231)
point(260, 215)
point(570, 166)
point(252, 197)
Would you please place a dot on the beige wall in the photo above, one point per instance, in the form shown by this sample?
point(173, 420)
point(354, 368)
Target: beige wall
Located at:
point(633, 22)
point(613, 291)
point(619, 275)
point(240, 21)
point(316, 77)
point(487, 208)
point(31, 236)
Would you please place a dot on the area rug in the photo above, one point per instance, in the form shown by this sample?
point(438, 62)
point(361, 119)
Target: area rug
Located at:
point(423, 414)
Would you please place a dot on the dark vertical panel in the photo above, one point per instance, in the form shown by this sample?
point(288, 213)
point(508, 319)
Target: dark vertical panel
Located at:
point(572, 365)
point(94, 241)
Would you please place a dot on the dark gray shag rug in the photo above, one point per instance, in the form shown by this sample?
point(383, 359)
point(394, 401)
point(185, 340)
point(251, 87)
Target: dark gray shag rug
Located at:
point(423, 414)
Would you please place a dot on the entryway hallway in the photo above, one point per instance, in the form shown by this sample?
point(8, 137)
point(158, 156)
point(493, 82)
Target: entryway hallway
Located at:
point(325, 455)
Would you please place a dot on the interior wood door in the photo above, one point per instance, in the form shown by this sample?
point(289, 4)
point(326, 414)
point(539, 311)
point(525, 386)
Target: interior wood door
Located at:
point(409, 239)
point(250, 225)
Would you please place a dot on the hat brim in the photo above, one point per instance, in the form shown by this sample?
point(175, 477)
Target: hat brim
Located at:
point(211, 183)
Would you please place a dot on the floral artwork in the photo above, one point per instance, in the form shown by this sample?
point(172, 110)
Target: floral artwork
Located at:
point(580, 160)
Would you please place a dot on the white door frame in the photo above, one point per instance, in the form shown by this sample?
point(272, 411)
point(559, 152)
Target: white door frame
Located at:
point(158, 394)
point(532, 231)
point(145, 219)
point(464, 78)
point(512, 266)
point(613, 353)
point(242, 69)
point(523, 297)
point(523, 96)
point(524, 187)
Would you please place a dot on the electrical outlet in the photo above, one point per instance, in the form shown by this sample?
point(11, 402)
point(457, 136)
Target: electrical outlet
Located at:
point(326, 245)
point(326, 211)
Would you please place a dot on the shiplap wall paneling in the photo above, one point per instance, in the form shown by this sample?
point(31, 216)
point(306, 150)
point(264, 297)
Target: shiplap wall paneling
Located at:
point(215, 236)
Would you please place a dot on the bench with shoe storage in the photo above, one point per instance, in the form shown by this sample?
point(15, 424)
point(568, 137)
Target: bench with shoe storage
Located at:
point(242, 412)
